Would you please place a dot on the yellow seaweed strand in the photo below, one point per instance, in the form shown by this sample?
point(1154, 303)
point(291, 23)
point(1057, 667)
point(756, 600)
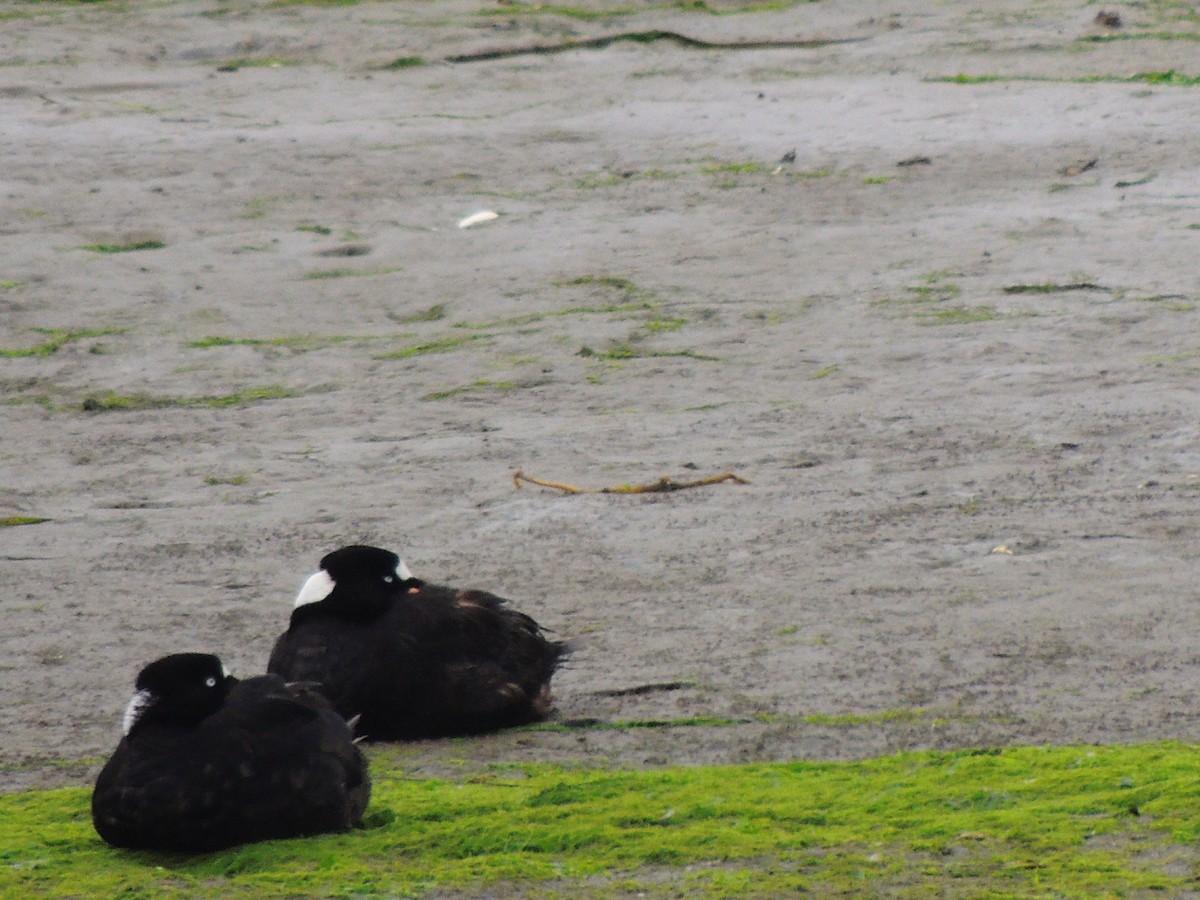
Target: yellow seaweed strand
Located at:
point(663, 485)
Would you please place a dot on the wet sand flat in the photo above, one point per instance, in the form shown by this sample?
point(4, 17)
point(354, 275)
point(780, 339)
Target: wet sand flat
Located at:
point(945, 327)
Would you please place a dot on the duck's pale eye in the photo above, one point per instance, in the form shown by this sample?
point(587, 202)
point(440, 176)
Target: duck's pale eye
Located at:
point(388, 579)
point(210, 681)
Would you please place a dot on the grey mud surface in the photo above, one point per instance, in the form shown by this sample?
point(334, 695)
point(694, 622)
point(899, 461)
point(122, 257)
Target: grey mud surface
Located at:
point(963, 388)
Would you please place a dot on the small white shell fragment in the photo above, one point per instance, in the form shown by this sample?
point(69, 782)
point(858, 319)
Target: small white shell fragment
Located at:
point(1003, 548)
point(484, 215)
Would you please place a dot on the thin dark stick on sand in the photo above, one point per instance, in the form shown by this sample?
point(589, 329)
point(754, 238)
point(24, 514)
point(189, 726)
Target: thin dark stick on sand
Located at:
point(663, 485)
point(646, 37)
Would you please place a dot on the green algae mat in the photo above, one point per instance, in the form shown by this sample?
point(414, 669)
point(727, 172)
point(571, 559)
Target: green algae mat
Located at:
point(1029, 822)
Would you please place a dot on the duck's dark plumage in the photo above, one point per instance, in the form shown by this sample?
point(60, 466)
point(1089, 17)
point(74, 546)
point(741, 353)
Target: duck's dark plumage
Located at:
point(209, 761)
point(413, 659)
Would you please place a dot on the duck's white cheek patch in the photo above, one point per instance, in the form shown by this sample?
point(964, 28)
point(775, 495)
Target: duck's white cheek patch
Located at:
point(316, 589)
point(141, 700)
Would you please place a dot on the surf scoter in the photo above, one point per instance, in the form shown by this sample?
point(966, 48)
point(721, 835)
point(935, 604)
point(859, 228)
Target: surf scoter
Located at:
point(208, 761)
point(412, 659)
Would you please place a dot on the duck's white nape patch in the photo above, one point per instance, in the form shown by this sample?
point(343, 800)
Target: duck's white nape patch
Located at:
point(316, 589)
point(402, 572)
point(141, 701)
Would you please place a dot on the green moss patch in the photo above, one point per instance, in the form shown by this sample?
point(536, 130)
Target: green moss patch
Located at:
point(290, 342)
point(110, 401)
point(322, 274)
point(630, 350)
point(125, 248)
point(13, 521)
point(1050, 287)
point(1028, 822)
point(1169, 78)
point(265, 62)
point(1139, 36)
point(481, 385)
point(734, 168)
point(56, 339)
point(534, 317)
point(437, 345)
